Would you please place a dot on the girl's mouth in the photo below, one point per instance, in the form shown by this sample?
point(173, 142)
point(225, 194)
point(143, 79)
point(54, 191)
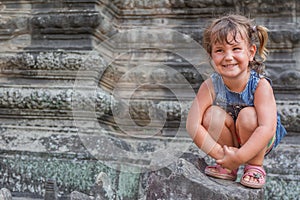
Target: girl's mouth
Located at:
point(230, 66)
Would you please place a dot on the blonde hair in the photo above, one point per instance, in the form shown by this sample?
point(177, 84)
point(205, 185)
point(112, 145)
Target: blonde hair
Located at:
point(218, 30)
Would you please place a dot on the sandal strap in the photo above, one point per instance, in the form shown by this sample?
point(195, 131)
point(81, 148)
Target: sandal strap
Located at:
point(218, 171)
point(253, 168)
point(256, 172)
point(222, 170)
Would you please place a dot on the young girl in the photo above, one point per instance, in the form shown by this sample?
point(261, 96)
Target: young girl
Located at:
point(233, 117)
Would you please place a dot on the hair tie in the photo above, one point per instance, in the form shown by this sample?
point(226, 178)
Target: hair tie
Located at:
point(254, 28)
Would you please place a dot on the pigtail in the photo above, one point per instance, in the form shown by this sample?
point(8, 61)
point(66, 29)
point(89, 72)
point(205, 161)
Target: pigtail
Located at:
point(262, 34)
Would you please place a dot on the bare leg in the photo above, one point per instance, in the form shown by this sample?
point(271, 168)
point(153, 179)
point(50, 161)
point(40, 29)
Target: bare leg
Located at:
point(220, 126)
point(245, 125)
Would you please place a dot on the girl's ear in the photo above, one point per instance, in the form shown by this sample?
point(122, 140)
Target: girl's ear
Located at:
point(252, 51)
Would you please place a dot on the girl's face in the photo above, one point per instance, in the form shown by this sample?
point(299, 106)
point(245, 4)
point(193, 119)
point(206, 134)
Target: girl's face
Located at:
point(232, 59)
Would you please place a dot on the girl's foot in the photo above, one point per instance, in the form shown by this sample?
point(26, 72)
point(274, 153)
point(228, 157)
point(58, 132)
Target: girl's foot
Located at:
point(254, 176)
point(219, 172)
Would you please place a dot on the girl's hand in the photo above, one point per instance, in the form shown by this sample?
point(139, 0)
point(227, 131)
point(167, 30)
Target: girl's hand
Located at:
point(230, 160)
point(232, 148)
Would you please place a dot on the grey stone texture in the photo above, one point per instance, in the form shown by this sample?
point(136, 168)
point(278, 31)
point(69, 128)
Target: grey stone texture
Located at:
point(5, 194)
point(105, 86)
point(179, 181)
point(182, 181)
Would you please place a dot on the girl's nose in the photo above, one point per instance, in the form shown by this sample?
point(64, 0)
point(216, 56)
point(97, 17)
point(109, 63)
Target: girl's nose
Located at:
point(228, 56)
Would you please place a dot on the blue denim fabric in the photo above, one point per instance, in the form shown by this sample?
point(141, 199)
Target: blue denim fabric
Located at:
point(234, 102)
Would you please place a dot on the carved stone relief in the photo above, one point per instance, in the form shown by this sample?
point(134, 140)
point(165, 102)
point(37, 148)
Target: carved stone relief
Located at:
point(49, 46)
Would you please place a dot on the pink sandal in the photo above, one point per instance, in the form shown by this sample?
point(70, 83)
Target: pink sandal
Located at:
point(256, 172)
point(219, 172)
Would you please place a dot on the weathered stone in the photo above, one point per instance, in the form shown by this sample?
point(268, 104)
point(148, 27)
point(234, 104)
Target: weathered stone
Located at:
point(282, 166)
point(51, 190)
point(5, 194)
point(65, 60)
point(79, 196)
point(187, 181)
point(103, 188)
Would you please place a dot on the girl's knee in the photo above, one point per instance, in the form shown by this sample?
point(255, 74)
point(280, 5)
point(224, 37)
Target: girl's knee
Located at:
point(213, 114)
point(246, 123)
point(247, 118)
point(216, 118)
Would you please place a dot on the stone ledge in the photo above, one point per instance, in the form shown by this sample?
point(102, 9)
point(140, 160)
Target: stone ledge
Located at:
point(186, 180)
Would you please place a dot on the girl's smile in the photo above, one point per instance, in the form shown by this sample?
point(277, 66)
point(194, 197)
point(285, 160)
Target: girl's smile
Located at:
point(231, 60)
point(230, 66)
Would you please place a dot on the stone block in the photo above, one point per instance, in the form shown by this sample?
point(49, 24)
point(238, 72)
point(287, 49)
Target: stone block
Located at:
point(186, 180)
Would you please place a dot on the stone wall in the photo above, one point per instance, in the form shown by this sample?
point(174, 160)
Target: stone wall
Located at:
point(112, 81)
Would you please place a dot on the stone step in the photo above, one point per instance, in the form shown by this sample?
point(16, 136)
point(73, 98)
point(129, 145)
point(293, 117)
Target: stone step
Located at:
point(282, 167)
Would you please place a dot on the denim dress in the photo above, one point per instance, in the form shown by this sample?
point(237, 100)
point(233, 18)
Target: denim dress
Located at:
point(233, 102)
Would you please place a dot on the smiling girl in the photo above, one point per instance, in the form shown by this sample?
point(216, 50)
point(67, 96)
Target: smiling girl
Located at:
point(234, 117)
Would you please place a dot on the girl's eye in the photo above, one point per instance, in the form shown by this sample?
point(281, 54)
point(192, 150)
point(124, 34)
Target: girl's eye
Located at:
point(236, 48)
point(219, 50)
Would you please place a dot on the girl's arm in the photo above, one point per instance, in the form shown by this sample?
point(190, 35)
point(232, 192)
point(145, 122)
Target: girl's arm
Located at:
point(199, 134)
point(265, 107)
